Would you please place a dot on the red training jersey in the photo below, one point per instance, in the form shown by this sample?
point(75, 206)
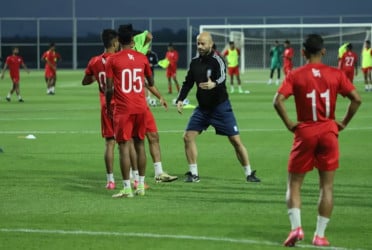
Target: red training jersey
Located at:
point(96, 67)
point(128, 69)
point(14, 62)
point(52, 57)
point(287, 56)
point(315, 87)
point(172, 57)
point(348, 61)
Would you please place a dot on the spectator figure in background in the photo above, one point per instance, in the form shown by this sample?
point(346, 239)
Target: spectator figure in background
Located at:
point(315, 87)
point(367, 65)
point(171, 71)
point(208, 72)
point(232, 55)
point(51, 58)
point(287, 57)
point(276, 62)
point(14, 62)
point(348, 62)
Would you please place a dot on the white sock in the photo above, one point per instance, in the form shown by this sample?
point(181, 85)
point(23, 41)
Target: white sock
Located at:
point(135, 175)
point(193, 169)
point(240, 88)
point(321, 225)
point(294, 217)
point(126, 184)
point(19, 97)
point(8, 95)
point(232, 88)
point(141, 180)
point(110, 177)
point(247, 170)
point(158, 168)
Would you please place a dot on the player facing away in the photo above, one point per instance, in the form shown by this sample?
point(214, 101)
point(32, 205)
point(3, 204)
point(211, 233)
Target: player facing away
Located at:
point(367, 65)
point(14, 62)
point(315, 87)
point(171, 71)
point(208, 72)
point(232, 55)
point(51, 58)
point(287, 57)
point(142, 42)
point(95, 71)
point(275, 62)
point(126, 72)
point(348, 62)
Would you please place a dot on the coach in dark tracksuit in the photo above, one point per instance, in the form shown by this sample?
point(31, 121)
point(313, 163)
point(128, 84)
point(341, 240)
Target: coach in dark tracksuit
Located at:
point(208, 71)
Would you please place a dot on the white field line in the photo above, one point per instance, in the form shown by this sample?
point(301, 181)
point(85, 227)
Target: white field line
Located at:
point(157, 236)
point(10, 132)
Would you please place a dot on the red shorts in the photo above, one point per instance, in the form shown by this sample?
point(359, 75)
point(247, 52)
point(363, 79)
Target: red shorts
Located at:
point(366, 70)
point(50, 73)
point(171, 71)
point(107, 123)
point(233, 71)
point(315, 145)
point(127, 126)
point(150, 122)
point(15, 79)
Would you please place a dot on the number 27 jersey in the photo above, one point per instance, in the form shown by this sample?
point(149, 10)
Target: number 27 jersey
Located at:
point(315, 87)
point(128, 69)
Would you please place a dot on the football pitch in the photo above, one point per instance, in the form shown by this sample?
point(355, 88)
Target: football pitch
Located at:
point(52, 188)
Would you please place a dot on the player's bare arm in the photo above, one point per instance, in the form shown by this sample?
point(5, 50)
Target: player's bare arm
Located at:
point(279, 106)
point(108, 94)
point(4, 69)
point(355, 102)
point(88, 79)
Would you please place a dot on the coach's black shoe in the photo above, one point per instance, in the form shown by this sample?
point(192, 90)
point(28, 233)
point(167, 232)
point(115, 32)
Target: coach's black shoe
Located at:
point(8, 99)
point(252, 177)
point(21, 100)
point(191, 177)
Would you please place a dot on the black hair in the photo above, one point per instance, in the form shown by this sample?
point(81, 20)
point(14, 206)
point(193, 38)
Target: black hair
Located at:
point(125, 34)
point(231, 42)
point(52, 44)
point(287, 42)
point(368, 42)
point(170, 44)
point(349, 46)
point(313, 43)
point(107, 36)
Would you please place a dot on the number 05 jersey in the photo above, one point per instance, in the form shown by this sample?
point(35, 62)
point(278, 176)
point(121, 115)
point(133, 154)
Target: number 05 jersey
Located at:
point(315, 87)
point(128, 69)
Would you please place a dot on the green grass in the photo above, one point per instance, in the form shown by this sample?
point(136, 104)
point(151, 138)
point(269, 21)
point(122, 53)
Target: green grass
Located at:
point(52, 193)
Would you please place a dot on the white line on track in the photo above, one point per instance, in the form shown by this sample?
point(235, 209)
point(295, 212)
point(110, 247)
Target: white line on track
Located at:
point(157, 236)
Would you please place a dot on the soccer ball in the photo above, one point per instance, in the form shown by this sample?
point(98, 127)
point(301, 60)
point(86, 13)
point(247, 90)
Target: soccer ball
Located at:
point(152, 102)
